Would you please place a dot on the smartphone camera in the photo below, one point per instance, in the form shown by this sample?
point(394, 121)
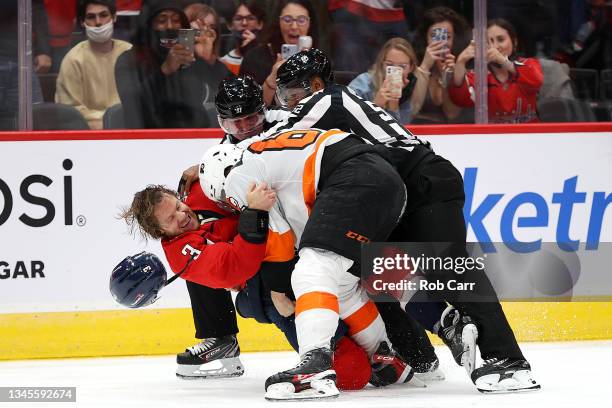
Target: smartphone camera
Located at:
point(287, 50)
point(440, 34)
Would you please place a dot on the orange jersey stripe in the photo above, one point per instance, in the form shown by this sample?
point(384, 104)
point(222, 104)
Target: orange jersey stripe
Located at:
point(362, 318)
point(280, 247)
point(308, 179)
point(316, 300)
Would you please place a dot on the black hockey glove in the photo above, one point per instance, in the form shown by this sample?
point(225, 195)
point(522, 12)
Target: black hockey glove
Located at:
point(253, 225)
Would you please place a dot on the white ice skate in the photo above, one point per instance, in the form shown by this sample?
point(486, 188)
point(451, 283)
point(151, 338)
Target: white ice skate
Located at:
point(504, 376)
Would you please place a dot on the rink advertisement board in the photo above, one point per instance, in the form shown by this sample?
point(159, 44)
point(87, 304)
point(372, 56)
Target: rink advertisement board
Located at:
point(60, 199)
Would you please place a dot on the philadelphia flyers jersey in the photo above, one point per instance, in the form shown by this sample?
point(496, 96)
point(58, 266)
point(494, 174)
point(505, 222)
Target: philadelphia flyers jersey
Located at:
point(290, 163)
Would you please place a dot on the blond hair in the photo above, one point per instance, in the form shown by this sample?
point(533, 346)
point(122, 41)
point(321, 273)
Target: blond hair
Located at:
point(378, 69)
point(140, 216)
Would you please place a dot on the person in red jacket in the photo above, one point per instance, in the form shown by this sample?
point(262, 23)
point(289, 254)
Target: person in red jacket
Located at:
point(513, 83)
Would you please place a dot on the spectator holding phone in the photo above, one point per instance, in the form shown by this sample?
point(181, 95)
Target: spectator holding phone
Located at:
point(400, 98)
point(513, 83)
point(205, 21)
point(291, 20)
point(245, 24)
point(158, 80)
point(439, 36)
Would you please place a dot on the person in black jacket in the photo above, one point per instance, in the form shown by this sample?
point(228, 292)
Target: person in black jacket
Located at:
point(159, 80)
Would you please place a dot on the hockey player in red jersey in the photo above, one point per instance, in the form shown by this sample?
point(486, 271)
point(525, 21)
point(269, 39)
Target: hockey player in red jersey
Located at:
point(223, 253)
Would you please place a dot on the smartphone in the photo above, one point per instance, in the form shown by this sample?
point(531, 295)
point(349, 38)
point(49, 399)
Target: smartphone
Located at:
point(440, 34)
point(287, 50)
point(186, 38)
point(304, 42)
point(394, 75)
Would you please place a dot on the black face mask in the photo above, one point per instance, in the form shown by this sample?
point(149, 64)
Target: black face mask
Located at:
point(164, 40)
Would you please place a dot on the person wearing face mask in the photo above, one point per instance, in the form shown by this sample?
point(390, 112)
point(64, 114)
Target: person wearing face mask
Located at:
point(86, 78)
point(245, 24)
point(159, 80)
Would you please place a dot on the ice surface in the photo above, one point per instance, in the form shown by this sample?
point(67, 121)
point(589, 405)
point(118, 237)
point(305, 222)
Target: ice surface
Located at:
point(573, 375)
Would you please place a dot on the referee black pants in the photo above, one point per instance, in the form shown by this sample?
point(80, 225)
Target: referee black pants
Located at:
point(435, 215)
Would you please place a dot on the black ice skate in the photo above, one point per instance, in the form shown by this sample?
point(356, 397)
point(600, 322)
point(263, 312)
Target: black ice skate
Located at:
point(389, 368)
point(216, 357)
point(504, 375)
point(313, 378)
point(460, 334)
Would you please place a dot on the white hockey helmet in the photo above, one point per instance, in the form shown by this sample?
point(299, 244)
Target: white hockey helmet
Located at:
point(214, 168)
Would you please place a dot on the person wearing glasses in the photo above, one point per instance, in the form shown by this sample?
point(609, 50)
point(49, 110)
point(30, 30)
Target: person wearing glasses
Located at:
point(402, 99)
point(245, 24)
point(291, 20)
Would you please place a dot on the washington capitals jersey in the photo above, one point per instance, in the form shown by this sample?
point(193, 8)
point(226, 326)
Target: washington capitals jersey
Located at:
point(213, 255)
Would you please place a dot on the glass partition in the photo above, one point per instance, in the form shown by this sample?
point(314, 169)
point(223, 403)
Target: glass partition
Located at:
point(125, 64)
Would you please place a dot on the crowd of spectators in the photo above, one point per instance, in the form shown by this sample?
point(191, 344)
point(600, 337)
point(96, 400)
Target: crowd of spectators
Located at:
point(121, 63)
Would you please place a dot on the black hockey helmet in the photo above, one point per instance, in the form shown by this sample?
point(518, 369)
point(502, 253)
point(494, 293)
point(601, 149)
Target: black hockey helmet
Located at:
point(136, 281)
point(239, 96)
point(240, 107)
point(300, 67)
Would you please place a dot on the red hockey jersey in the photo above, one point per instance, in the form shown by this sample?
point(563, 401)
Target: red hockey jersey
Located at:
point(511, 102)
point(214, 255)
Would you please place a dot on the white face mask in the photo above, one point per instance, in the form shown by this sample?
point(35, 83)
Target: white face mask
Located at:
point(100, 34)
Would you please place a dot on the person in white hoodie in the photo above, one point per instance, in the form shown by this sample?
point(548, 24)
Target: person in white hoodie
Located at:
point(87, 75)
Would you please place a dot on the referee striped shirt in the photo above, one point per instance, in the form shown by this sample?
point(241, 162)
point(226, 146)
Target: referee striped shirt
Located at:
point(338, 107)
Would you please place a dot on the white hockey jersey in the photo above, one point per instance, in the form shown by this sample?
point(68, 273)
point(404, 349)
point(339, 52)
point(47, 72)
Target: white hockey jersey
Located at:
point(290, 163)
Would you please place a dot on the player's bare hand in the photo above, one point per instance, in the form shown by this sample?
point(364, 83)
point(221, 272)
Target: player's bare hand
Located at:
point(284, 305)
point(189, 176)
point(260, 197)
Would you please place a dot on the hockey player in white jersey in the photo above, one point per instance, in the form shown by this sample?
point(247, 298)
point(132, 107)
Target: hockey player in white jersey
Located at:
point(434, 214)
point(330, 200)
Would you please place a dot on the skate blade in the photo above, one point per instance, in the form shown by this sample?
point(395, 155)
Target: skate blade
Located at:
point(509, 390)
point(320, 390)
point(206, 376)
point(224, 368)
point(436, 375)
point(469, 337)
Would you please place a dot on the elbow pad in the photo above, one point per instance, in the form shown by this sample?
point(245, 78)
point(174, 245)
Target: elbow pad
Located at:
point(253, 226)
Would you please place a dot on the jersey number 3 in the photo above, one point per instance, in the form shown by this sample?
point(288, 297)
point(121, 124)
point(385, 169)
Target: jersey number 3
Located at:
point(191, 251)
